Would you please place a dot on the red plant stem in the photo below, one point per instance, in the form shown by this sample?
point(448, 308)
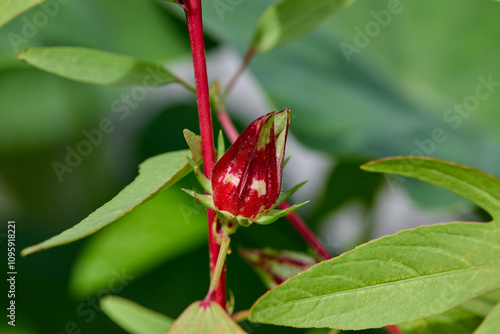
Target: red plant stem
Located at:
point(193, 13)
point(227, 125)
point(195, 27)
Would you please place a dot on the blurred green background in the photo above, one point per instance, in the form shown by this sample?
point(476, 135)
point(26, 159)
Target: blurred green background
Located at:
point(395, 95)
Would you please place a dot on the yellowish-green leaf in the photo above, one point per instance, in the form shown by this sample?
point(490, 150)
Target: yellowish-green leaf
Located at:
point(205, 318)
point(9, 9)
point(97, 67)
point(289, 20)
point(155, 174)
point(134, 318)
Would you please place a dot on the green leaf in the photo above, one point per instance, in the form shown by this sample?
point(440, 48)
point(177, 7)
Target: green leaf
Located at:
point(159, 230)
point(482, 305)
point(285, 195)
point(463, 319)
point(493, 297)
point(455, 321)
point(491, 324)
point(402, 277)
point(97, 67)
point(134, 318)
point(276, 214)
point(155, 174)
point(473, 184)
point(289, 20)
point(397, 278)
point(9, 9)
point(200, 318)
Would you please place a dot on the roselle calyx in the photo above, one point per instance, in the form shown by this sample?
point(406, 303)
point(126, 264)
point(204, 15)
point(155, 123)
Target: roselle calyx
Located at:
point(246, 180)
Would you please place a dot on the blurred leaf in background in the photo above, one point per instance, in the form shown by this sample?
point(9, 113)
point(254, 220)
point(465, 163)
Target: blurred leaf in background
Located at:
point(382, 78)
point(396, 93)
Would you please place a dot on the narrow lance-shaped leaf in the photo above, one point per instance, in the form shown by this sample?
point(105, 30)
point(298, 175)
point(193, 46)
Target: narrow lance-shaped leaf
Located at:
point(9, 9)
point(289, 20)
point(134, 318)
point(480, 188)
point(402, 277)
point(97, 67)
point(155, 175)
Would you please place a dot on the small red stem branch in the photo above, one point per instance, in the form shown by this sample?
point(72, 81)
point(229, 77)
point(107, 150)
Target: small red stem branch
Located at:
point(306, 233)
point(193, 13)
point(241, 69)
point(227, 125)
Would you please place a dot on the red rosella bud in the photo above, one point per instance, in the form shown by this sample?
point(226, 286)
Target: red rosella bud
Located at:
point(246, 181)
